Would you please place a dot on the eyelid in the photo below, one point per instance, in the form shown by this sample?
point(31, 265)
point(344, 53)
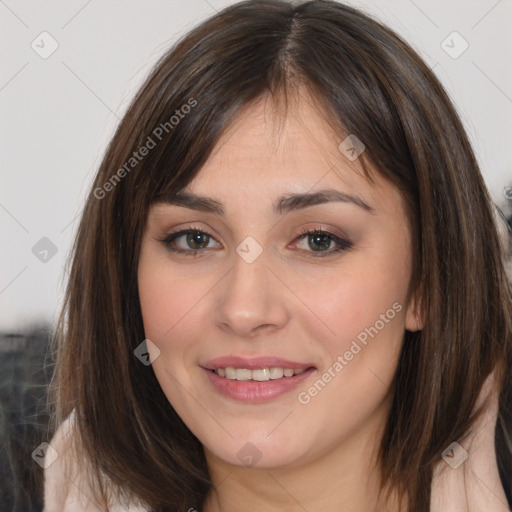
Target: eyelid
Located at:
point(178, 233)
point(343, 242)
point(190, 227)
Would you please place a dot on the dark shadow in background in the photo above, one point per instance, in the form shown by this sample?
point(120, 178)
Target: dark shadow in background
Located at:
point(24, 378)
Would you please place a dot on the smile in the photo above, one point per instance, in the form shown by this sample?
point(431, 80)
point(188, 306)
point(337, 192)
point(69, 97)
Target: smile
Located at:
point(256, 380)
point(258, 374)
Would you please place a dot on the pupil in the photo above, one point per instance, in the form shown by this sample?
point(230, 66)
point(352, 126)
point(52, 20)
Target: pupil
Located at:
point(323, 241)
point(196, 238)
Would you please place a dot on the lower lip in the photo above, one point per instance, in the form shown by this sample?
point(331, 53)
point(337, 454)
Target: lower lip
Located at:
point(252, 391)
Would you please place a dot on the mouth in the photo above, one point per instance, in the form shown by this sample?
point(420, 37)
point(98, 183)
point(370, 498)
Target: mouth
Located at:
point(259, 374)
point(256, 380)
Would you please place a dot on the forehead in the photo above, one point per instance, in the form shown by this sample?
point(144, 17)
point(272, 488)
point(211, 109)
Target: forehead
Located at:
point(263, 154)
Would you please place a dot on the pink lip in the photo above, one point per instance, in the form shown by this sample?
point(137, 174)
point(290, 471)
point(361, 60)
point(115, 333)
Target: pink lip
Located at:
point(254, 363)
point(255, 391)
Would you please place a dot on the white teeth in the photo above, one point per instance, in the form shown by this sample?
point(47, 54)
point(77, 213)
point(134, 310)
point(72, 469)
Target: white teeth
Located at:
point(276, 373)
point(260, 374)
point(243, 374)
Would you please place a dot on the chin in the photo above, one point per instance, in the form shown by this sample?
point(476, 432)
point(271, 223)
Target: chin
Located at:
point(260, 450)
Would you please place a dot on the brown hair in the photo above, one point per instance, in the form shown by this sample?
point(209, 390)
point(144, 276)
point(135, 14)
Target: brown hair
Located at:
point(372, 84)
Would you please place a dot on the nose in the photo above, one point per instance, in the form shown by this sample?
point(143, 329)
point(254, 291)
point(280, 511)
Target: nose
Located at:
point(251, 300)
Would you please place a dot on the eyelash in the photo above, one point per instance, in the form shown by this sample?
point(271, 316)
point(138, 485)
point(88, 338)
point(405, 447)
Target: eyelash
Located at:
point(343, 245)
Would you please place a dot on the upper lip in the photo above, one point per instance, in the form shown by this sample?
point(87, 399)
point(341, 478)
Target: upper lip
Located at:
point(253, 363)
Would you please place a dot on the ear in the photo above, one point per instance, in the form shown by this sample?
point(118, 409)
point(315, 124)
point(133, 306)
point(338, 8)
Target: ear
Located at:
point(414, 316)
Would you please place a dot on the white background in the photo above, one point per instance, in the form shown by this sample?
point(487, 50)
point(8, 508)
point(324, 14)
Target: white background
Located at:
point(57, 114)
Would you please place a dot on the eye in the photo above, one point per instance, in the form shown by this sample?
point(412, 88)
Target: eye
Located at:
point(323, 243)
point(188, 241)
point(192, 241)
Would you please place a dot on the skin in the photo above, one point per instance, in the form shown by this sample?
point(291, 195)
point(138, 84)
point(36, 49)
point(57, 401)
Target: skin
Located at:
point(287, 303)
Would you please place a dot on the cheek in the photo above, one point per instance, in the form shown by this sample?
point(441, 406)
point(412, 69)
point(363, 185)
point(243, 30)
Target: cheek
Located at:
point(360, 322)
point(167, 301)
point(367, 302)
point(365, 315)
point(359, 297)
point(160, 308)
point(170, 306)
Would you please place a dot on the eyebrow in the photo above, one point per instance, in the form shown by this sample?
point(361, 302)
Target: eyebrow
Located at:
point(284, 204)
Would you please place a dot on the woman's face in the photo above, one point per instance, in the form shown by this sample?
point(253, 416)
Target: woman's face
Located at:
point(251, 299)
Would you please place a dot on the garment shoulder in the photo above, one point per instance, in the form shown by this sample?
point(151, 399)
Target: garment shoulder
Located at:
point(56, 481)
point(65, 487)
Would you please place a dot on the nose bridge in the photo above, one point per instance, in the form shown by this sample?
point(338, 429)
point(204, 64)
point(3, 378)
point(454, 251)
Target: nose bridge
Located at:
point(250, 297)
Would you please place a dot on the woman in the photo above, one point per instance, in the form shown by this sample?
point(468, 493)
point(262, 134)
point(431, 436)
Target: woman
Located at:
point(286, 290)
